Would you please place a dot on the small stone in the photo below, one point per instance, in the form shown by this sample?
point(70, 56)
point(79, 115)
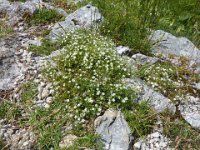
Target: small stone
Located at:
point(46, 105)
point(137, 145)
point(45, 93)
point(52, 91)
point(26, 143)
point(36, 80)
point(49, 99)
point(42, 84)
point(67, 141)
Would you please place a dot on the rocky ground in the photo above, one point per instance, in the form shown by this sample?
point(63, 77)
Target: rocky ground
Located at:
point(19, 66)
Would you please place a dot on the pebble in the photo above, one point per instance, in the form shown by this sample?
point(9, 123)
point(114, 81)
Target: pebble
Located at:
point(47, 106)
point(52, 91)
point(45, 93)
point(42, 84)
point(67, 141)
point(49, 99)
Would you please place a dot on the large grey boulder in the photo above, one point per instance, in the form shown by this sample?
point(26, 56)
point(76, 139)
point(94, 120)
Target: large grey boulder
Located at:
point(114, 131)
point(166, 44)
point(190, 111)
point(157, 101)
point(85, 17)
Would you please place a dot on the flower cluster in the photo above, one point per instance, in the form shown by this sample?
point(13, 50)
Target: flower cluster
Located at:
point(88, 76)
point(168, 79)
point(160, 77)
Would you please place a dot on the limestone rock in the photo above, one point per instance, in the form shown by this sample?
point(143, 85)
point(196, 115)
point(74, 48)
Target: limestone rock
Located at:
point(154, 141)
point(166, 44)
point(85, 17)
point(121, 50)
point(114, 131)
point(197, 86)
point(141, 59)
point(17, 11)
point(190, 111)
point(158, 101)
point(8, 63)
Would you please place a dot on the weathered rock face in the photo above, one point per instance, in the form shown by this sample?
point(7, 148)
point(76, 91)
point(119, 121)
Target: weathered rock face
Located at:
point(16, 63)
point(17, 11)
point(9, 69)
point(190, 111)
point(85, 17)
point(159, 102)
point(154, 141)
point(114, 131)
point(9, 65)
point(167, 44)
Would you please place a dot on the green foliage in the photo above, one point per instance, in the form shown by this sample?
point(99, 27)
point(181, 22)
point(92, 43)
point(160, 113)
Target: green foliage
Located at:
point(9, 111)
point(67, 5)
point(128, 22)
point(170, 80)
point(182, 135)
point(4, 30)
point(29, 92)
point(46, 127)
point(182, 18)
point(3, 145)
point(44, 16)
point(141, 119)
point(91, 141)
point(17, 0)
point(45, 49)
point(89, 78)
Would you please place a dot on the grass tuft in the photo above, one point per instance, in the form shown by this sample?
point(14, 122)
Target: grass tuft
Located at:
point(4, 30)
point(141, 119)
point(44, 16)
point(129, 22)
point(45, 48)
point(182, 135)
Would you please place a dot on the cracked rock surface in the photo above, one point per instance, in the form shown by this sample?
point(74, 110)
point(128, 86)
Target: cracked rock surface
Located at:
point(85, 17)
point(114, 131)
point(190, 111)
point(167, 44)
point(154, 141)
point(158, 101)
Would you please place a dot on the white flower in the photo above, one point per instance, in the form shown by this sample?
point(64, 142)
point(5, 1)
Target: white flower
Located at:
point(98, 92)
point(99, 109)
